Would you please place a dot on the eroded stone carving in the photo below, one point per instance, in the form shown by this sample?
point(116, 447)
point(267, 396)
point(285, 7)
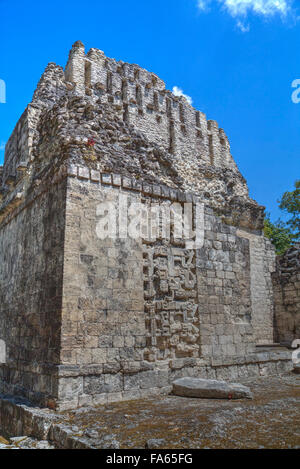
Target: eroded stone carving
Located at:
point(171, 306)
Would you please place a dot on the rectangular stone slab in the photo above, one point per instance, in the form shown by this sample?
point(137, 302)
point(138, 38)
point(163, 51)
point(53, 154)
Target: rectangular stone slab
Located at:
point(210, 389)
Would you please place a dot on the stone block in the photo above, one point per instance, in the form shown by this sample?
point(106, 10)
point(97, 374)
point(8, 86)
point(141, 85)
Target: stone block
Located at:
point(83, 173)
point(106, 179)
point(95, 176)
point(210, 389)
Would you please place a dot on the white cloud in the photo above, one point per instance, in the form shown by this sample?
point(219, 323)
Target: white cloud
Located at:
point(245, 28)
point(2, 146)
point(260, 7)
point(203, 4)
point(178, 92)
point(242, 8)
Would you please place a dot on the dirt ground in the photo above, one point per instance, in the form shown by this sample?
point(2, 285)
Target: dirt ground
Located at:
point(270, 420)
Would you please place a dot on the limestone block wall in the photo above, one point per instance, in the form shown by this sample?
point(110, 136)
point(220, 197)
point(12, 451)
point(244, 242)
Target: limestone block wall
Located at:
point(118, 318)
point(17, 151)
point(142, 100)
point(262, 265)
point(286, 283)
point(136, 123)
point(31, 270)
point(89, 319)
point(137, 313)
point(224, 292)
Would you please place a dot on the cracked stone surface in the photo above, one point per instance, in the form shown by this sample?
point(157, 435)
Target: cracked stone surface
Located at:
point(24, 442)
point(270, 420)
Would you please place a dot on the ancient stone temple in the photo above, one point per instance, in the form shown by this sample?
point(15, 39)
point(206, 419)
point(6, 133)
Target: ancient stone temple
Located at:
point(87, 318)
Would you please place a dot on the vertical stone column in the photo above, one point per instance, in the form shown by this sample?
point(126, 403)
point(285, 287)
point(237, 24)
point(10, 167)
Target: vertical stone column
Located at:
point(75, 68)
point(98, 73)
point(214, 143)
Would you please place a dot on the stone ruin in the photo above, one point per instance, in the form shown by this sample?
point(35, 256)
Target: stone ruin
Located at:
point(87, 320)
point(286, 281)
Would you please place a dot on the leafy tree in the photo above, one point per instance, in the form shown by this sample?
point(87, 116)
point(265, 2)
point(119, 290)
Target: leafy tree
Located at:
point(280, 235)
point(290, 203)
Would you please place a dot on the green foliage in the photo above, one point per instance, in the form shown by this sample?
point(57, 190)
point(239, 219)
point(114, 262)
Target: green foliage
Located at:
point(280, 235)
point(290, 203)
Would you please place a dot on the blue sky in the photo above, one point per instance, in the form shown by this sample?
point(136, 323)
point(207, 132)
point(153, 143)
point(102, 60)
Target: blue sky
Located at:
point(236, 59)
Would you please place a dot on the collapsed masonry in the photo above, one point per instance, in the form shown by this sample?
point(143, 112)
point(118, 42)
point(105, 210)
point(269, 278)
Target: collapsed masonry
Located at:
point(86, 320)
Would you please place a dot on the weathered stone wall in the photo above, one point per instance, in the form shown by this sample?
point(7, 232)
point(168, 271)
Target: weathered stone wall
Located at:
point(86, 319)
point(133, 315)
point(142, 99)
point(286, 282)
point(19, 150)
point(136, 124)
point(262, 265)
point(31, 270)
point(136, 314)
